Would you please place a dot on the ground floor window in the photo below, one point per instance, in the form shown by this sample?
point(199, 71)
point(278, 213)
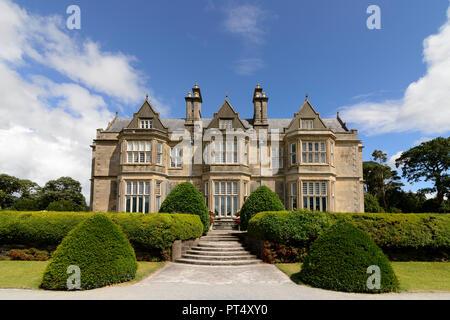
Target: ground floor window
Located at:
point(293, 196)
point(137, 196)
point(158, 195)
point(226, 198)
point(315, 195)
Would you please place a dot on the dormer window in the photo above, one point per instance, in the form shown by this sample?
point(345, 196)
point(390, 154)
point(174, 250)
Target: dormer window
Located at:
point(147, 124)
point(307, 124)
point(225, 123)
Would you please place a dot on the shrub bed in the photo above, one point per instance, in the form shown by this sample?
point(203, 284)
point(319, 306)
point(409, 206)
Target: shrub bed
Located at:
point(340, 259)
point(400, 236)
point(152, 234)
point(100, 250)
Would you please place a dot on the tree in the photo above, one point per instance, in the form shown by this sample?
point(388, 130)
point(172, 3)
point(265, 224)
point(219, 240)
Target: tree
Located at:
point(64, 188)
point(379, 179)
point(13, 188)
point(371, 204)
point(429, 161)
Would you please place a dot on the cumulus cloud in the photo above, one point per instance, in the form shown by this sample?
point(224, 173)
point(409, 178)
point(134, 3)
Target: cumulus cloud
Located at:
point(391, 161)
point(47, 126)
point(425, 104)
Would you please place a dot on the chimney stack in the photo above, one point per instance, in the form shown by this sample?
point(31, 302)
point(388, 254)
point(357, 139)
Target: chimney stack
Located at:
point(193, 106)
point(260, 107)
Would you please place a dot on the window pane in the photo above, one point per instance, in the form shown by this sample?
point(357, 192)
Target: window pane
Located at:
point(147, 205)
point(310, 157)
point(317, 188)
point(140, 204)
point(216, 188)
point(141, 187)
point(324, 188)
point(128, 207)
point(141, 146)
point(316, 158)
point(294, 189)
point(129, 146)
point(147, 188)
point(293, 159)
point(141, 157)
point(316, 146)
point(304, 159)
point(311, 203)
point(305, 202)
point(158, 203)
point(304, 146)
point(130, 157)
point(222, 208)
point(235, 185)
point(228, 187)
point(324, 204)
point(322, 158)
point(134, 204)
point(293, 147)
point(228, 206)
point(294, 203)
point(310, 146)
point(235, 205)
point(136, 157)
point(216, 205)
point(222, 189)
point(318, 203)
point(128, 187)
point(322, 146)
point(311, 188)
point(134, 187)
point(305, 188)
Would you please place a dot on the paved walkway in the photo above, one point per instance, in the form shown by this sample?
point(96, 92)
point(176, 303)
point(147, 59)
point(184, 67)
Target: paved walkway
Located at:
point(180, 281)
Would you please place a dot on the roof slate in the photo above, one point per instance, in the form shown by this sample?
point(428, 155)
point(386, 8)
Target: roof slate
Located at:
point(174, 124)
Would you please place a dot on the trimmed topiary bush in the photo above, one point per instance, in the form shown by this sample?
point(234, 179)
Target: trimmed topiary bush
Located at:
point(185, 198)
point(262, 199)
point(99, 248)
point(339, 259)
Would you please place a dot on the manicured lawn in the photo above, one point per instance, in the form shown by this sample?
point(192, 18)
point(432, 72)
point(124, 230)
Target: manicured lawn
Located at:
point(28, 274)
point(413, 276)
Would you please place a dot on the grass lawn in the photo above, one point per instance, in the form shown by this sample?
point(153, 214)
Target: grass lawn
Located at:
point(28, 274)
point(413, 276)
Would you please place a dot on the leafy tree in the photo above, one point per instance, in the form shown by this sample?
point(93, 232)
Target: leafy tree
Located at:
point(371, 204)
point(13, 188)
point(64, 188)
point(429, 161)
point(380, 179)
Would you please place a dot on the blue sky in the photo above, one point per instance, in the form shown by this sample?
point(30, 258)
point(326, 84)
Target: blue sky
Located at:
point(291, 47)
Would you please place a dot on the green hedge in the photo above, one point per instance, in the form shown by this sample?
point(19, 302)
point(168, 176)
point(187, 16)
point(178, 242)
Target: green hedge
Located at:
point(154, 231)
point(401, 236)
point(99, 249)
point(339, 260)
point(262, 199)
point(185, 198)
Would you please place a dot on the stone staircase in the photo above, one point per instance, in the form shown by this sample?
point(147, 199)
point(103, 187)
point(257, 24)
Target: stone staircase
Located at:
point(224, 224)
point(219, 248)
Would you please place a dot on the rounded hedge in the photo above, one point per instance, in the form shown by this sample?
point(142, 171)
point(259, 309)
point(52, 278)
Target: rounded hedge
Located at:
point(185, 198)
point(101, 251)
point(262, 199)
point(339, 260)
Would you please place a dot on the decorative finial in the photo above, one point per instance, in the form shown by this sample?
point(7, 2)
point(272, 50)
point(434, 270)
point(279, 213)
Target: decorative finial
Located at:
point(189, 94)
point(196, 86)
point(146, 97)
point(226, 96)
point(257, 86)
point(306, 96)
point(117, 113)
point(264, 94)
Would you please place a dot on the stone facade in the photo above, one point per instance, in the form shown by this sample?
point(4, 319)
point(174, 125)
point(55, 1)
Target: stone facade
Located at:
point(307, 160)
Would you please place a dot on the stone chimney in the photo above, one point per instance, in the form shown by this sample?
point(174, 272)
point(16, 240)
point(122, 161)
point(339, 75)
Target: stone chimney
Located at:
point(260, 107)
point(193, 106)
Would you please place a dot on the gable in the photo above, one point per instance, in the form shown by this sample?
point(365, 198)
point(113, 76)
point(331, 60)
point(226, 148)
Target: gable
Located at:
point(306, 112)
point(146, 112)
point(227, 112)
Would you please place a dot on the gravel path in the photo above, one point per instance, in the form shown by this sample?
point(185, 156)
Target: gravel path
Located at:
point(181, 281)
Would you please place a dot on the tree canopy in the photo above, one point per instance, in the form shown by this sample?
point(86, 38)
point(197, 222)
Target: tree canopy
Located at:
point(428, 161)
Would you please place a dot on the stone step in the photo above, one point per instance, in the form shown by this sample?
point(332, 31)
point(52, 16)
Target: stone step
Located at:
point(220, 258)
point(218, 253)
point(221, 249)
point(220, 238)
point(218, 262)
point(219, 244)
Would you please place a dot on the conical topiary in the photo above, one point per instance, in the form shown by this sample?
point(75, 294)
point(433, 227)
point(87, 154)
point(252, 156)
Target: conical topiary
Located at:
point(262, 199)
point(185, 198)
point(339, 260)
point(99, 249)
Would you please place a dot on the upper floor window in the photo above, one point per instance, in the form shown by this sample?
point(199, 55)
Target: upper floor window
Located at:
point(159, 153)
point(158, 195)
point(147, 124)
point(225, 152)
point(176, 157)
point(225, 123)
point(314, 152)
point(139, 151)
point(307, 124)
point(293, 153)
point(277, 158)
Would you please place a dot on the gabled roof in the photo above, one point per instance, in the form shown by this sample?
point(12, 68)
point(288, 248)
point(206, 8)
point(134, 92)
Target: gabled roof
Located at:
point(146, 111)
point(227, 111)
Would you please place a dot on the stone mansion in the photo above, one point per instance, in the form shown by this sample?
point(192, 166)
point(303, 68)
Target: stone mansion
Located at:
point(308, 161)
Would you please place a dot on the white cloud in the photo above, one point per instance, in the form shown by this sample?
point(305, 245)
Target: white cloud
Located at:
point(425, 104)
point(421, 140)
point(46, 127)
point(391, 161)
point(247, 22)
point(248, 66)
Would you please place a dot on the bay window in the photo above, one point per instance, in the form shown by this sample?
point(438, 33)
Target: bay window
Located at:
point(314, 152)
point(139, 151)
point(225, 199)
point(137, 196)
point(315, 195)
